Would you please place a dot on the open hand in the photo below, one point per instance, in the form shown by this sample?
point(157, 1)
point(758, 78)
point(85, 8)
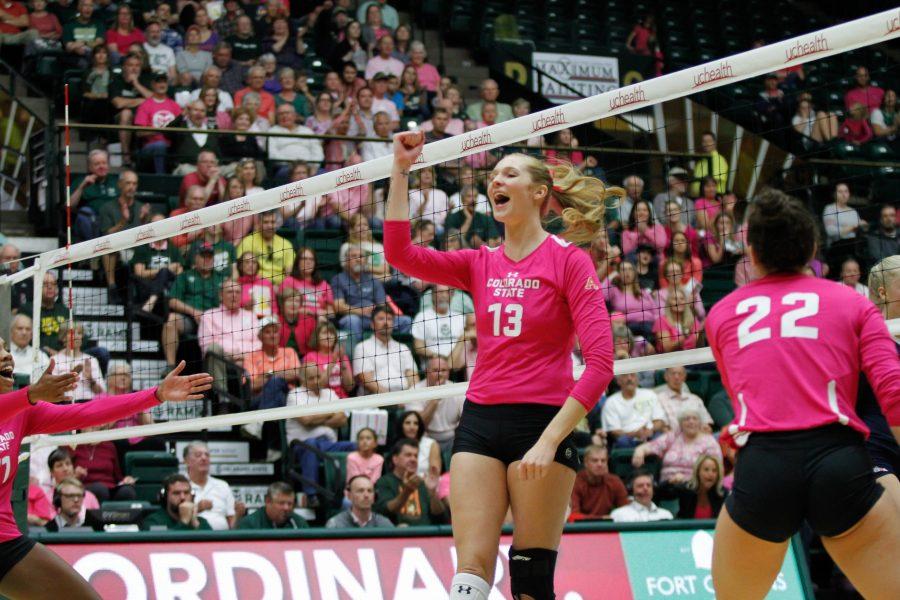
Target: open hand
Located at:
point(52, 388)
point(177, 388)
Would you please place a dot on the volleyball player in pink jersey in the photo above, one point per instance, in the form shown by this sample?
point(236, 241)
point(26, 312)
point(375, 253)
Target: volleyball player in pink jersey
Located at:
point(532, 296)
point(790, 349)
point(28, 570)
point(49, 388)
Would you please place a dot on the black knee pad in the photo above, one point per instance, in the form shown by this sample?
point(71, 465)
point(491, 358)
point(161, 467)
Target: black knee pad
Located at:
point(531, 573)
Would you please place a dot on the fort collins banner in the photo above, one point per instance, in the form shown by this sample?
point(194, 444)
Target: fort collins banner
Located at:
point(656, 564)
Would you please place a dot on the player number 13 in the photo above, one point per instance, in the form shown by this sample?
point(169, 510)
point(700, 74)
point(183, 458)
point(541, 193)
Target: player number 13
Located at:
point(513, 314)
point(759, 308)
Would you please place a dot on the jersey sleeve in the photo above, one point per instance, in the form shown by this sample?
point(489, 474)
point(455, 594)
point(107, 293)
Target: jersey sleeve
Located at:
point(56, 418)
point(585, 299)
point(879, 361)
point(448, 268)
point(13, 403)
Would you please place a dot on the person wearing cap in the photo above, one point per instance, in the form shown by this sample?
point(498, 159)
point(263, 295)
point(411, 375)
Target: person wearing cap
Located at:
point(191, 61)
point(273, 371)
point(677, 192)
point(228, 330)
point(380, 100)
point(383, 61)
point(156, 111)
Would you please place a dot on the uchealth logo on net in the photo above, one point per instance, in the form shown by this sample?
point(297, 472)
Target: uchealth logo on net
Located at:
point(476, 141)
point(635, 95)
point(295, 191)
point(189, 222)
point(144, 233)
point(101, 247)
point(239, 207)
point(61, 257)
point(893, 24)
point(557, 117)
point(722, 71)
point(348, 177)
point(804, 48)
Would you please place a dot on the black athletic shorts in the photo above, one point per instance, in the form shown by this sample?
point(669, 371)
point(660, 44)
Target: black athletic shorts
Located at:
point(823, 475)
point(507, 431)
point(12, 551)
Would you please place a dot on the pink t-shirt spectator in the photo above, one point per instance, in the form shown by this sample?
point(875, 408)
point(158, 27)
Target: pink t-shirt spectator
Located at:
point(856, 131)
point(258, 296)
point(390, 65)
point(429, 78)
point(679, 456)
point(665, 329)
point(691, 270)
point(236, 332)
point(454, 127)
point(124, 40)
point(641, 39)
point(322, 360)
point(514, 303)
point(691, 234)
point(349, 199)
point(370, 467)
point(53, 418)
point(46, 25)
point(156, 113)
point(655, 236)
point(870, 97)
point(643, 309)
point(789, 336)
point(316, 296)
point(710, 207)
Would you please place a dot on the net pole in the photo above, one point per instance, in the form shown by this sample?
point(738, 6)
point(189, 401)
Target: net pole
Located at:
point(70, 294)
point(36, 295)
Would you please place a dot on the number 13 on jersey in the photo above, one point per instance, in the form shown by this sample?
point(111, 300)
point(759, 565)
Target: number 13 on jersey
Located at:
point(507, 319)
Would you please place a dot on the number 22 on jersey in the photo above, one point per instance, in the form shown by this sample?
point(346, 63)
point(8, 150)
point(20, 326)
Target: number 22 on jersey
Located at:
point(757, 308)
point(507, 319)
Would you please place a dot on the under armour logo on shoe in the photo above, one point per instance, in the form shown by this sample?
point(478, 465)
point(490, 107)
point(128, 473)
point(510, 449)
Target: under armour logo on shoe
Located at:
point(591, 284)
point(464, 589)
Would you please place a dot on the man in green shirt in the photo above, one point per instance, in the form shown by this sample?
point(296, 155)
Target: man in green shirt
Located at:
point(476, 227)
point(90, 192)
point(125, 212)
point(193, 292)
point(278, 513)
point(82, 34)
point(155, 267)
point(178, 511)
point(403, 496)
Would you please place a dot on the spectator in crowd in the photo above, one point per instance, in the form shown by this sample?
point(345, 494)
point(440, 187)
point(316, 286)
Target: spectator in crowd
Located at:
point(45, 23)
point(128, 91)
point(724, 245)
point(326, 353)
point(679, 252)
point(374, 28)
point(632, 415)
point(641, 509)
point(317, 294)
point(296, 325)
point(713, 165)
point(884, 118)
point(284, 150)
point(643, 229)
point(170, 37)
point(53, 313)
point(195, 291)
point(119, 381)
point(212, 79)
point(672, 272)
point(28, 361)
point(597, 491)
point(383, 62)
point(61, 468)
point(81, 35)
point(680, 449)
point(626, 296)
point(677, 182)
point(95, 104)
point(213, 496)
point(194, 200)
point(123, 33)
point(227, 330)
point(677, 328)
point(156, 111)
point(245, 44)
point(14, 24)
point(410, 425)
point(856, 128)
point(257, 293)
point(356, 293)
point(191, 61)
point(441, 416)
point(71, 356)
point(319, 432)
point(90, 192)
point(161, 56)
point(708, 205)
point(428, 75)
point(178, 511)
point(818, 126)
point(850, 275)
point(381, 98)
point(436, 329)
point(642, 38)
point(273, 369)
point(185, 146)
point(702, 496)
point(618, 216)
point(232, 71)
point(489, 90)
point(362, 117)
point(841, 222)
point(381, 363)
point(645, 268)
point(402, 495)
point(69, 500)
point(97, 466)
point(256, 79)
point(881, 242)
point(294, 91)
point(365, 460)
point(428, 201)
point(226, 24)
point(278, 512)
point(118, 215)
point(870, 96)
point(676, 223)
point(350, 49)
point(274, 253)
point(476, 228)
point(389, 15)
point(438, 126)
point(772, 105)
point(361, 493)
point(237, 146)
point(372, 150)
point(675, 396)
point(207, 175)
point(224, 256)
point(287, 47)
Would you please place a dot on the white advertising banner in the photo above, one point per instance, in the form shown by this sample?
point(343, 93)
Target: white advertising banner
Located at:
point(589, 75)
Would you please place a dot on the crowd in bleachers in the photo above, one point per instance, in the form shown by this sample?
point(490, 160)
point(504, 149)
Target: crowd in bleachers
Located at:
point(253, 296)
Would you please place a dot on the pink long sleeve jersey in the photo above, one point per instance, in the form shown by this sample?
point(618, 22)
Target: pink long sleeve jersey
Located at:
point(790, 349)
point(527, 315)
point(54, 418)
point(13, 403)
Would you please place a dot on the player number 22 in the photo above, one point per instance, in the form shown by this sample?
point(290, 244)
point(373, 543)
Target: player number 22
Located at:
point(759, 308)
point(513, 314)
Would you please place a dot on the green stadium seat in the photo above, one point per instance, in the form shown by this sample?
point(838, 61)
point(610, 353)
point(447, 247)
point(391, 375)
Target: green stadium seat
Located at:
point(335, 470)
point(620, 464)
point(672, 505)
point(126, 505)
point(720, 409)
point(879, 151)
point(149, 468)
point(717, 283)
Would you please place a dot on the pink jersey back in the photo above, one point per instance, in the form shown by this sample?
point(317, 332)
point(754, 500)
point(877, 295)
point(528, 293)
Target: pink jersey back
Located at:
point(527, 314)
point(790, 349)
